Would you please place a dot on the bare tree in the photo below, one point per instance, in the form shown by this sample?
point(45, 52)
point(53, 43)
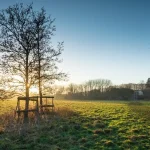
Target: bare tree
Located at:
point(26, 48)
point(47, 57)
point(72, 88)
point(17, 44)
point(142, 85)
point(7, 91)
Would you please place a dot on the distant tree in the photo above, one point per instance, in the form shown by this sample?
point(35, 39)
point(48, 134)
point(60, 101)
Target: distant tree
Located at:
point(142, 85)
point(72, 88)
point(90, 89)
point(148, 83)
point(102, 84)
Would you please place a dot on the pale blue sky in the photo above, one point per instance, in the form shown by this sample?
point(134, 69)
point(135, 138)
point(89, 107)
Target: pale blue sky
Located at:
point(102, 38)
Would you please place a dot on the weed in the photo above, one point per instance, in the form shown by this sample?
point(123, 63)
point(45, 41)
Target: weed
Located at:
point(98, 131)
point(109, 143)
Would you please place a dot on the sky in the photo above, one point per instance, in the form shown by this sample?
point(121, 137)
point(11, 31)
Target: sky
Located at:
point(108, 39)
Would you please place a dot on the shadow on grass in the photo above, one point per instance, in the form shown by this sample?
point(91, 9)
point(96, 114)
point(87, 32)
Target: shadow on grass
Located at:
point(62, 130)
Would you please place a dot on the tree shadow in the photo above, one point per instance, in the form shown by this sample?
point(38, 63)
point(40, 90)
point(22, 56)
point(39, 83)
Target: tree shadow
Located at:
point(66, 129)
point(62, 129)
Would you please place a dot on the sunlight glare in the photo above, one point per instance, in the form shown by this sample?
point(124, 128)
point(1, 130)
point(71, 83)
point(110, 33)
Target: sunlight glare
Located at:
point(34, 90)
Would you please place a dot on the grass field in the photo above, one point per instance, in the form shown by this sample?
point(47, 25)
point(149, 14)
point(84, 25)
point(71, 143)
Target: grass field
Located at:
point(78, 125)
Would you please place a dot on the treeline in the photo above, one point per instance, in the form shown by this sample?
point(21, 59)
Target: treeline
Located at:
point(99, 89)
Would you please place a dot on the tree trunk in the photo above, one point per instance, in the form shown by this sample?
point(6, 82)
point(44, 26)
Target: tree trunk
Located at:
point(40, 90)
point(39, 68)
point(27, 90)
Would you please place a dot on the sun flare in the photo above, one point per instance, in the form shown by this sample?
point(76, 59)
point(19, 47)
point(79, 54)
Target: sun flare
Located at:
point(34, 90)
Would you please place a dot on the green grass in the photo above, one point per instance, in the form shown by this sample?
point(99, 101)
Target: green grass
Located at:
point(78, 125)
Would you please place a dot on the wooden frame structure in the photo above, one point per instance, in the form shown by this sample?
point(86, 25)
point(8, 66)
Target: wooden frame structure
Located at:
point(47, 102)
point(18, 107)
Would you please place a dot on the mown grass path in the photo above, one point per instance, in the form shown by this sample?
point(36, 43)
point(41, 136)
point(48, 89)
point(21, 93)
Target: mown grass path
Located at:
point(84, 125)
